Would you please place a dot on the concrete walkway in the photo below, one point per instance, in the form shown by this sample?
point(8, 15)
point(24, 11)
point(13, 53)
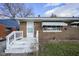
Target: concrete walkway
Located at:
point(2, 46)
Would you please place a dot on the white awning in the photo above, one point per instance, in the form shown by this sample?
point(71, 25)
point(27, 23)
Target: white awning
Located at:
point(75, 23)
point(54, 24)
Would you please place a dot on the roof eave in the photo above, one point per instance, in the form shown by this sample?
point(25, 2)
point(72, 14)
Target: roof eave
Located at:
point(49, 19)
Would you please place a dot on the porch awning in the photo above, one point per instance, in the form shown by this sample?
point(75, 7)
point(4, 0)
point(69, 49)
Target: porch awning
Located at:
point(54, 24)
point(75, 23)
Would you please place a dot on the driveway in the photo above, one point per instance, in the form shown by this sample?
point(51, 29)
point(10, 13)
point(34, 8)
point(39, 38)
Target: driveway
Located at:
point(2, 47)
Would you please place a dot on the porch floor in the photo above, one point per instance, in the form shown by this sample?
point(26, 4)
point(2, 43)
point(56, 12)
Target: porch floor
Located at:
point(25, 45)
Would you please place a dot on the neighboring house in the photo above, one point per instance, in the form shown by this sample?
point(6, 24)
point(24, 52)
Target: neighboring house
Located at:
point(7, 26)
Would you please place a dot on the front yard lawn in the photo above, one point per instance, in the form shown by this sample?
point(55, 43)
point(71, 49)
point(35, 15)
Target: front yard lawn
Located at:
point(67, 48)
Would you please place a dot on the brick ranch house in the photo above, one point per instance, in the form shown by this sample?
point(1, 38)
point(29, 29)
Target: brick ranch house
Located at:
point(60, 28)
point(25, 37)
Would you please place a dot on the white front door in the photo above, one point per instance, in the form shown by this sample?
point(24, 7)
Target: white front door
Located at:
point(30, 29)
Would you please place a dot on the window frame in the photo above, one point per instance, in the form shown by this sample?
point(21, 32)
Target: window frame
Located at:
point(52, 28)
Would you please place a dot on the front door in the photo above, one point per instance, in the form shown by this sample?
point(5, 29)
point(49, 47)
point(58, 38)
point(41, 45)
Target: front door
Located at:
point(30, 29)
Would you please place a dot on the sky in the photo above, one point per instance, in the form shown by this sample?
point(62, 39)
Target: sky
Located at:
point(59, 9)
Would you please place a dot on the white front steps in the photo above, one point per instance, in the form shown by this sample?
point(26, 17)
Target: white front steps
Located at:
point(25, 45)
point(18, 50)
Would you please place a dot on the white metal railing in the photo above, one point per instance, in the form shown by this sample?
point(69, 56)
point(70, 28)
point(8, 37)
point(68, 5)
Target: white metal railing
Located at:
point(36, 44)
point(13, 36)
point(37, 39)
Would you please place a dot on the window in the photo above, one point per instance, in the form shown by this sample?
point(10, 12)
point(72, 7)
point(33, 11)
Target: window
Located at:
point(74, 24)
point(51, 28)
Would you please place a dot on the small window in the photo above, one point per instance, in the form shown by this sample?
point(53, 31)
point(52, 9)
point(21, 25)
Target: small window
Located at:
point(51, 28)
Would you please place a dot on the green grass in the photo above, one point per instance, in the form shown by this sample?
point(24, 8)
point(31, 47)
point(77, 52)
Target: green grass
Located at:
point(60, 49)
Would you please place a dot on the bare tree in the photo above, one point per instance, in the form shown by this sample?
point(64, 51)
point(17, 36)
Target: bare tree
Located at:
point(25, 12)
point(15, 10)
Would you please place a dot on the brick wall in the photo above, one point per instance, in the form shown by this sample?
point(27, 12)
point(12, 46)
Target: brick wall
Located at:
point(2, 31)
point(23, 28)
point(69, 34)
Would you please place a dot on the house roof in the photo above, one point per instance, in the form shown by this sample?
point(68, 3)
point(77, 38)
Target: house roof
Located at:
point(49, 19)
point(9, 23)
point(14, 23)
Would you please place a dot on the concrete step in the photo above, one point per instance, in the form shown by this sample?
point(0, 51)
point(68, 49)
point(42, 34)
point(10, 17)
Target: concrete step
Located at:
point(18, 50)
point(21, 43)
point(21, 46)
point(24, 41)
